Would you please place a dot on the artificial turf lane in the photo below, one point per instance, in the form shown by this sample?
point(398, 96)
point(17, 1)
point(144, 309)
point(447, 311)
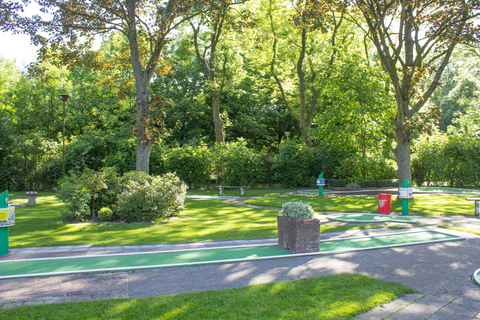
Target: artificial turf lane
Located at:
point(397, 239)
point(113, 262)
point(365, 217)
point(134, 261)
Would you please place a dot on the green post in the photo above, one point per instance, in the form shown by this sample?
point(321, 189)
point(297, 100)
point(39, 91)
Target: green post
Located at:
point(405, 184)
point(4, 229)
point(320, 188)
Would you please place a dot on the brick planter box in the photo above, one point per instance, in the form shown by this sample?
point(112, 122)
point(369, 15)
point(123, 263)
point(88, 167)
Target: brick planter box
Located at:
point(298, 236)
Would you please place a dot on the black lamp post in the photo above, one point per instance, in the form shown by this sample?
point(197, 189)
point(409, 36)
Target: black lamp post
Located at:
point(63, 98)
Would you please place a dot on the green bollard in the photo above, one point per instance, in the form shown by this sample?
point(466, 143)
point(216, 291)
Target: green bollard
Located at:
point(405, 184)
point(320, 186)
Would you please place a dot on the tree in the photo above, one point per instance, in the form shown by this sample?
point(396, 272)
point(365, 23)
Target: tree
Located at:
point(146, 24)
point(415, 40)
point(309, 20)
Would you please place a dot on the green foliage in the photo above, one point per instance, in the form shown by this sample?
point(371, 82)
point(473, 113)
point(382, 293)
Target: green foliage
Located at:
point(81, 191)
point(428, 161)
point(452, 160)
point(150, 198)
point(355, 169)
point(191, 164)
point(105, 214)
point(463, 162)
point(137, 196)
point(238, 165)
point(297, 210)
point(291, 167)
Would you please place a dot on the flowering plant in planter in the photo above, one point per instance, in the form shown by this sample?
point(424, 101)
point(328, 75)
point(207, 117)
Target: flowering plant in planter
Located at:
point(297, 210)
point(298, 231)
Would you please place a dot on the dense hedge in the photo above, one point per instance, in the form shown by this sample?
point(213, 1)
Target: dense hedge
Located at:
point(446, 160)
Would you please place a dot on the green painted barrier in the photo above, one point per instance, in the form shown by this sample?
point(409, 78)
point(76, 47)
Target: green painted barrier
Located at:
point(7, 219)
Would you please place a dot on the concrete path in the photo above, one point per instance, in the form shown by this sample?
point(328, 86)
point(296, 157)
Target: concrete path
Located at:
point(440, 272)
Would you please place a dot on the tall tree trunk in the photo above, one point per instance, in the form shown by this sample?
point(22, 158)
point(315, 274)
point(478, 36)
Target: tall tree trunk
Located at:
point(217, 120)
point(144, 142)
point(402, 154)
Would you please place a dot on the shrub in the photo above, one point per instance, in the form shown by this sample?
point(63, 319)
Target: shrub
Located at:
point(297, 210)
point(238, 165)
point(353, 185)
point(105, 214)
point(77, 209)
point(291, 167)
point(191, 164)
point(357, 168)
point(150, 198)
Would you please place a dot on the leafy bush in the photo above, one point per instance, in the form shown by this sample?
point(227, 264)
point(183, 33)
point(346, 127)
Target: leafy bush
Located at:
point(428, 159)
point(191, 164)
point(386, 183)
point(463, 162)
point(105, 214)
point(291, 167)
point(77, 208)
point(336, 183)
point(353, 185)
point(238, 165)
point(297, 210)
point(149, 198)
point(80, 192)
point(356, 169)
point(454, 160)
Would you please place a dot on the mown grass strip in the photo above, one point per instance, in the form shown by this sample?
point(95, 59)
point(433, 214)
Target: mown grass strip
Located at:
point(421, 205)
point(329, 297)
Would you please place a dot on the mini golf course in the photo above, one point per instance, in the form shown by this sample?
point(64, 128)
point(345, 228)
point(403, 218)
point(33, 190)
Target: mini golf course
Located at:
point(367, 218)
point(175, 258)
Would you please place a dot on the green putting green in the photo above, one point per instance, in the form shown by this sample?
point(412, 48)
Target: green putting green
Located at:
point(366, 217)
point(391, 240)
point(132, 261)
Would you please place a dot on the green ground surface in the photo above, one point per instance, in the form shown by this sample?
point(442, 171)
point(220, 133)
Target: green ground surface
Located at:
point(236, 192)
point(368, 217)
point(421, 205)
point(150, 260)
point(134, 261)
point(202, 220)
point(329, 297)
point(386, 240)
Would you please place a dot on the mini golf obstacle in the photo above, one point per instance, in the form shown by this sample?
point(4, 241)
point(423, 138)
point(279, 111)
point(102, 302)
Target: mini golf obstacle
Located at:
point(476, 277)
point(190, 257)
point(371, 218)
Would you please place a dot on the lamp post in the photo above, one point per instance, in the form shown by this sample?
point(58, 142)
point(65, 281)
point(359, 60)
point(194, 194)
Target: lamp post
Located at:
point(287, 134)
point(63, 98)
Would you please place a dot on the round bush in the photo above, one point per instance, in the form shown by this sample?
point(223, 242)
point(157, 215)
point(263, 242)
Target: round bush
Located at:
point(151, 198)
point(297, 210)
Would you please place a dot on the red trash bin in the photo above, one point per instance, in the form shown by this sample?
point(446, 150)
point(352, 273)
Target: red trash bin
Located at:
point(385, 203)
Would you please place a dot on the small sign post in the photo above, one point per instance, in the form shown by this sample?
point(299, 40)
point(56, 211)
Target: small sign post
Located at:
point(405, 193)
point(320, 184)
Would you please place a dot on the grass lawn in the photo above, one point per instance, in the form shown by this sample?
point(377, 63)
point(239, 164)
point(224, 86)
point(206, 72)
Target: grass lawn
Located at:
point(236, 192)
point(329, 297)
point(201, 220)
point(421, 205)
